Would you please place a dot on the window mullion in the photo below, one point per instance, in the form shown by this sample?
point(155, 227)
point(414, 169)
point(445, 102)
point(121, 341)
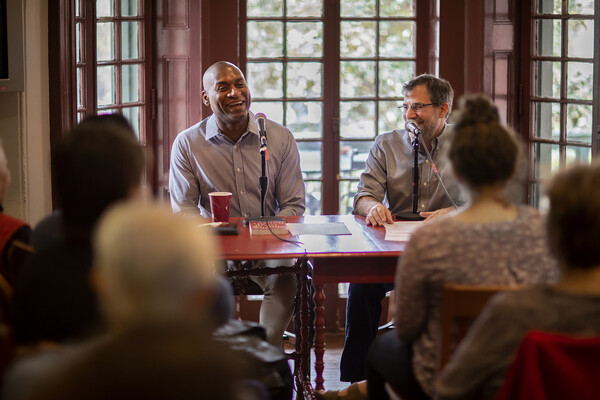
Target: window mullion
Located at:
point(331, 110)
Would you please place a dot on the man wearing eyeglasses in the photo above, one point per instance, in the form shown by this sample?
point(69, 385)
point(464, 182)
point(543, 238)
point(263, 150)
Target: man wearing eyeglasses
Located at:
point(386, 189)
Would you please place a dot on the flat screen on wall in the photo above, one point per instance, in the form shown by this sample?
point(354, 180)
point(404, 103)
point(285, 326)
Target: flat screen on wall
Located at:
point(11, 46)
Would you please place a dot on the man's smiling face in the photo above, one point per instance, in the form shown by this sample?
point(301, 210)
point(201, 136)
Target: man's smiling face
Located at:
point(226, 93)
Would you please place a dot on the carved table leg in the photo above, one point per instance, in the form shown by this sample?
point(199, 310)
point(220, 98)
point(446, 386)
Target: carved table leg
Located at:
point(319, 335)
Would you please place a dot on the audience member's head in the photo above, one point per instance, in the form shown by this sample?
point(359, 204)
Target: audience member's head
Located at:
point(440, 91)
point(96, 164)
point(4, 174)
point(483, 152)
point(574, 216)
point(153, 265)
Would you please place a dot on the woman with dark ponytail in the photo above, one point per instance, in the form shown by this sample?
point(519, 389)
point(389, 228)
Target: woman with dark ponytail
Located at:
point(488, 241)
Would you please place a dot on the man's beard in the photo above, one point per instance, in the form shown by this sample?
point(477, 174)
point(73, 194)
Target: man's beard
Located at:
point(428, 131)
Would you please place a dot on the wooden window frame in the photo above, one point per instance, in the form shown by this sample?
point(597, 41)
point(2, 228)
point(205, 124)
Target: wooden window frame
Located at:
point(527, 95)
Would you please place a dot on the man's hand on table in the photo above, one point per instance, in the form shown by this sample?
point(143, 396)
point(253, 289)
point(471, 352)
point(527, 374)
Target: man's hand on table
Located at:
point(379, 215)
point(430, 215)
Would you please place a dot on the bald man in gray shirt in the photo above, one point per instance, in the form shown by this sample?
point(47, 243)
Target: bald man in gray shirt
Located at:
point(221, 154)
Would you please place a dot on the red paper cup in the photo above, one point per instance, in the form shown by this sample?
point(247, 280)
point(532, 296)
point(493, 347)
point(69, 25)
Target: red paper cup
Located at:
point(219, 206)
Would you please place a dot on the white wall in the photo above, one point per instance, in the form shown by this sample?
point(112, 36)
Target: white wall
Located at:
point(24, 124)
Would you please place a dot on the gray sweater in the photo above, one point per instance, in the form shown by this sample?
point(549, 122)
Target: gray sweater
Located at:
point(478, 367)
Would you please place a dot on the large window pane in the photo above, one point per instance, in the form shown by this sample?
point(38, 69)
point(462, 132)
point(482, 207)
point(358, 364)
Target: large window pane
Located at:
point(133, 115)
point(304, 80)
point(80, 96)
point(304, 119)
point(579, 123)
point(549, 6)
point(130, 84)
point(264, 8)
point(548, 37)
point(304, 39)
point(357, 119)
point(546, 119)
point(310, 159)
point(313, 198)
point(392, 75)
point(358, 39)
point(578, 155)
point(580, 80)
point(105, 41)
point(79, 33)
point(357, 79)
point(547, 79)
point(397, 39)
point(353, 158)
point(538, 196)
point(265, 39)
point(272, 109)
point(547, 160)
point(130, 40)
point(106, 85)
point(265, 79)
point(129, 8)
point(581, 7)
point(304, 8)
point(358, 8)
point(396, 8)
point(105, 8)
point(348, 190)
point(581, 37)
point(390, 117)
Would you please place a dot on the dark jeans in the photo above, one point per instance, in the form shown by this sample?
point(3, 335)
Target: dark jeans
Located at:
point(389, 360)
point(363, 310)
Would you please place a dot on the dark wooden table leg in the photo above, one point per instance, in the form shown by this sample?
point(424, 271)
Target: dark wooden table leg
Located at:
point(319, 336)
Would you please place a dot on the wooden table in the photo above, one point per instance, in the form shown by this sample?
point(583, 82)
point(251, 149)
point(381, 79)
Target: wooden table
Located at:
point(362, 257)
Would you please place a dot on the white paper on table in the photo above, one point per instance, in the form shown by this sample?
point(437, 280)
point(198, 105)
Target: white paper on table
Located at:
point(401, 231)
point(326, 228)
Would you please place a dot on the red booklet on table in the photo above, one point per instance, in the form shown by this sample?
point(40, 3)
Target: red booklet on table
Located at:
point(261, 228)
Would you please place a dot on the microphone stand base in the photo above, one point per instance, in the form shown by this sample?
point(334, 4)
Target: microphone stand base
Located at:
point(408, 216)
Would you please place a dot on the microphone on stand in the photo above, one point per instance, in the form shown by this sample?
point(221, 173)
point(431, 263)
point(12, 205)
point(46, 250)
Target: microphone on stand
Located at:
point(412, 127)
point(260, 120)
point(263, 179)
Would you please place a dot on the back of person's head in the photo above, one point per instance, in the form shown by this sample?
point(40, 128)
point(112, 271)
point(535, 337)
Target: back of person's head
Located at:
point(96, 164)
point(153, 265)
point(440, 91)
point(574, 216)
point(111, 119)
point(482, 151)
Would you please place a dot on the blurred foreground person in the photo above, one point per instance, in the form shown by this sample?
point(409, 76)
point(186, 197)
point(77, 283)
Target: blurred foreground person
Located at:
point(96, 164)
point(571, 306)
point(488, 241)
point(11, 228)
point(155, 280)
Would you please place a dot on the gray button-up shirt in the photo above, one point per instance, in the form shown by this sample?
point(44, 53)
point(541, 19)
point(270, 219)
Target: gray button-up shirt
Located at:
point(388, 174)
point(203, 160)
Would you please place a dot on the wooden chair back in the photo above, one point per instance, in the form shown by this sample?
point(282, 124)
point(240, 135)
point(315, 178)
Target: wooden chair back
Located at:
point(461, 304)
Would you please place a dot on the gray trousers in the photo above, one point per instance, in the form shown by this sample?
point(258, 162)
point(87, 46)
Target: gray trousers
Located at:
point(278, 301)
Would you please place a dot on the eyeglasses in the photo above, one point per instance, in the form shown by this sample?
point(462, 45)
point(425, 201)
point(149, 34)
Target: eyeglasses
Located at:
point(416, 107)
